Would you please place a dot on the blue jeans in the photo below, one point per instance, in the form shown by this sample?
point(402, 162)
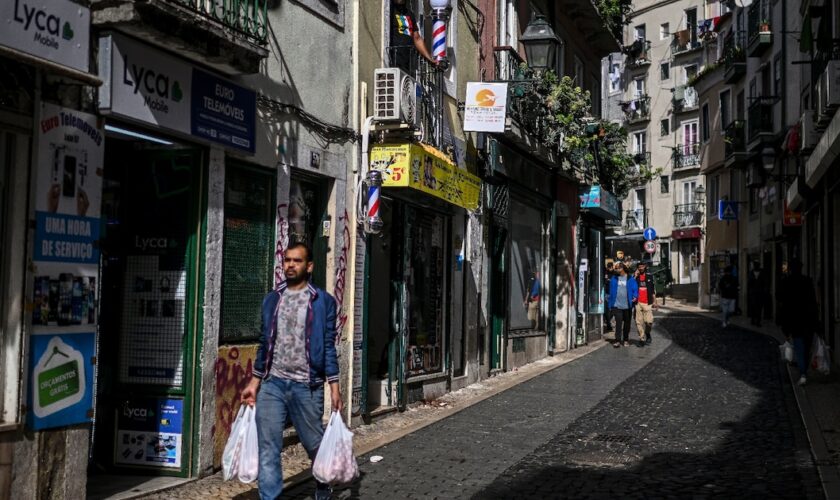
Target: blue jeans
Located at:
point(278, 400)
point(800, 353)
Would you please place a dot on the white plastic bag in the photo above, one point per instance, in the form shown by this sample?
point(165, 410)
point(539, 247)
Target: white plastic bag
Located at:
point(241, 456)
point(249, 458)
point(819, 357)
point(335, 463)
point(787, 352)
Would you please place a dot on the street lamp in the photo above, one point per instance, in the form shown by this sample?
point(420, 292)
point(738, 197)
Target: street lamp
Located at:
point(699, 194)
point(541, 44)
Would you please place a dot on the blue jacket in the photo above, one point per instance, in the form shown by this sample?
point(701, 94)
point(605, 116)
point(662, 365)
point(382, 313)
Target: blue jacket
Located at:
point(320, 336)
point(632, 291)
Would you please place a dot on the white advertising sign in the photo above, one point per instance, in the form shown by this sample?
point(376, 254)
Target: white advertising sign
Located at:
point(145, 84)
point(55, 30)
point(485, 107)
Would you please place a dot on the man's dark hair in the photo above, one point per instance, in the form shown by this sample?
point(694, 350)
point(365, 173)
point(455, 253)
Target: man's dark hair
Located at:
point(305, 247)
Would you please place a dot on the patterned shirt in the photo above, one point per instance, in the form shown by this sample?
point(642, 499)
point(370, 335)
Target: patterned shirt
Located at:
point(290, 357)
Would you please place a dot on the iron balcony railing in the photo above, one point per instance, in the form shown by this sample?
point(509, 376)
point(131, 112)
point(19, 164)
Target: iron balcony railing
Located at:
point(635, 220)
point(642, 158)
point(758, 19)
point(431, 87)
point(689, 214)
point(246, 17)
point(509, 64)
point(759, 117)
point(637, 109)
point(638, 53)
point(734, 138)
point(685, 98)
point(687, 155)
point(734, 57)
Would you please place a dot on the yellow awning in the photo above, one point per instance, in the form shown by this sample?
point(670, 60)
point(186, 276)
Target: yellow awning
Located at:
point(425, 169)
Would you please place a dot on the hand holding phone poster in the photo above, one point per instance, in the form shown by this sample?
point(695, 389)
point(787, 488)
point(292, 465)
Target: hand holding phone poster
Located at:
point(66, 266)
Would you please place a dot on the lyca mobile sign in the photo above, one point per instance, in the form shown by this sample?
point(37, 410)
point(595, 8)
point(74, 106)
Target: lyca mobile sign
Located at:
point(55, 30)
point(149, 86)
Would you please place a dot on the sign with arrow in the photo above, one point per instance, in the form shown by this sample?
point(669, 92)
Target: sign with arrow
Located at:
point(650, 234)
point(727, 210)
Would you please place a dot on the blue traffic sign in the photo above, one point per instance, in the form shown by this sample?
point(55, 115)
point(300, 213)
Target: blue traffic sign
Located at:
point(727, 210)
point(650, 234)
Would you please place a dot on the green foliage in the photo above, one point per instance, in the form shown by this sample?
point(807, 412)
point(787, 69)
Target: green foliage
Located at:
point(615, 14)
point(618, 172)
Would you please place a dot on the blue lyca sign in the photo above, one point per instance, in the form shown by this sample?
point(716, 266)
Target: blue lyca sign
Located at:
point(222, 111)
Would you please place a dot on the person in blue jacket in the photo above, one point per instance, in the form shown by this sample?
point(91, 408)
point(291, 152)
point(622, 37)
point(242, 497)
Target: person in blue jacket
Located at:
point(295, 357)
point(624, 292)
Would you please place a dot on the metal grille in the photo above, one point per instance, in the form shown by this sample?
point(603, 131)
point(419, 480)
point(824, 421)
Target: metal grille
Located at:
point(499, 199)
point(247, 267)
point(247, 17)
point(16, 83)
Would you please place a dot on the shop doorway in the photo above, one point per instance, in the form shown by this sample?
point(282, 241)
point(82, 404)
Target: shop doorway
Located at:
point(498, 297)
point(406, 309)
point(149, 321)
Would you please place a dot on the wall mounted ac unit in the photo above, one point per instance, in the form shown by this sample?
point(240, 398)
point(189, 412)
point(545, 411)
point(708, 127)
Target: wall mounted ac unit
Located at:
point(828, 91)
point(395, 97)
point(809, 135)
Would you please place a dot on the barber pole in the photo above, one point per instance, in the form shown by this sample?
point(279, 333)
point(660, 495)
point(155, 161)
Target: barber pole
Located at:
point(373, 221)
point(439, 39)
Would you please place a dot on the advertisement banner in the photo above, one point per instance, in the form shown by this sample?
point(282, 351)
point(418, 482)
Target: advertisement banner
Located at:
point(150, 86)
point(61, 381)
point(425, 169)
point(149, 433)
point(68, 183)
point(57, 31)
point(486, 106)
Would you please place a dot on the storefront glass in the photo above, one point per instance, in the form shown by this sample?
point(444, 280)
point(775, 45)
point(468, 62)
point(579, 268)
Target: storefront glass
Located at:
point(526, 283)
point(307, 211)
point(595, 293)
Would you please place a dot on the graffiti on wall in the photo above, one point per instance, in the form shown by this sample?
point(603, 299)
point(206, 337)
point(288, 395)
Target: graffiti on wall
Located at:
point(233, 372)
point(341, 274)
point(282, 244)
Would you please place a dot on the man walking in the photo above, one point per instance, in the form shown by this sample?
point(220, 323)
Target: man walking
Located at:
point(799, 314)
point(623, 292)
point(295, 356)
point(646, 303)
point(728, 287)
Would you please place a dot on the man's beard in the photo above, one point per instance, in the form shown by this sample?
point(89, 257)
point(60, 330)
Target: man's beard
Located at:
point(297, 279)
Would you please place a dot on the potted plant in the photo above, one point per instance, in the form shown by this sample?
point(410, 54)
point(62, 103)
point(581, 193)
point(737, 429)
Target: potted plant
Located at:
point(764, 26)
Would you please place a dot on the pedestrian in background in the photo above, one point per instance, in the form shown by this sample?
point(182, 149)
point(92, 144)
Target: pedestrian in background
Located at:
point(799, 314)
point(608, 274)
point(295, 357)
point(623, 293)
point(645, 304)
point(728, 287)
point(756, 293)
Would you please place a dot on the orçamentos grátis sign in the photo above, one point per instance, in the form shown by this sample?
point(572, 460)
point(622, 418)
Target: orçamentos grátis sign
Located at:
point(149, 86)
point(55, 30)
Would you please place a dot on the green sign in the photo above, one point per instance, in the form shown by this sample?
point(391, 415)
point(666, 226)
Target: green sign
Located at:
point(58, 383)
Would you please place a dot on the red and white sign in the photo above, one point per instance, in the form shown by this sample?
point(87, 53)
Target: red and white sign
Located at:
point(791, 218)
point(650, 246)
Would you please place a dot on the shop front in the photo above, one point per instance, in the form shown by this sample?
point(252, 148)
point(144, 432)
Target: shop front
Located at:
point(597, 205)
point(689, 259)
point(414, 279)
point(165, 136)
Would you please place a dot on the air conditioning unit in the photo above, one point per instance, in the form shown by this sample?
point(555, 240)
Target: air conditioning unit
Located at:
point(828, 91)
point(808, 132)
point(395, 97)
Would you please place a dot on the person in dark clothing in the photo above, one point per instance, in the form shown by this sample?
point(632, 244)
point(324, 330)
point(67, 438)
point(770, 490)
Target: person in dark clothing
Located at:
point(406, 38)
point(756, 293)
point(623, 293)
point(608, 274)
point(728, 287)
point(798, 314)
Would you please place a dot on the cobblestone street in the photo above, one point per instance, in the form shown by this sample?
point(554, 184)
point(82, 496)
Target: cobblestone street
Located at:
point(701, 413)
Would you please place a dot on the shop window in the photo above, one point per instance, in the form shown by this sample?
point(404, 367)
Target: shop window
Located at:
point(247, 262)
point(526, 282)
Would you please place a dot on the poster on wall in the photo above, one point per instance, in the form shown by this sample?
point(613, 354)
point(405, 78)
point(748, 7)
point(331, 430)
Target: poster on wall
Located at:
point(65, 255)
point(486, 107)
point(149, 433)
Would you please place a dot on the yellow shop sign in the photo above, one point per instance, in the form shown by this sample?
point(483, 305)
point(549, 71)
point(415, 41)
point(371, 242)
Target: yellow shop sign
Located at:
point(425, 169)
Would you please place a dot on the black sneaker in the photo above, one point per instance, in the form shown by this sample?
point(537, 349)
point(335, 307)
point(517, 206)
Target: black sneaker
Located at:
point(649, 339)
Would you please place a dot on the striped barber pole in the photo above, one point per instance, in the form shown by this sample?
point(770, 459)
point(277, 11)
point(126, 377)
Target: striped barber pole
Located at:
point(373, 201)
point(439, 39)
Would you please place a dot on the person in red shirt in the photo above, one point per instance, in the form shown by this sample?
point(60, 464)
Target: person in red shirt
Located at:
point(646, 303)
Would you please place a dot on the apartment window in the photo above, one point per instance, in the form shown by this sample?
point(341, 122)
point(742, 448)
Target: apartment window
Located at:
point(705, 119)
point(777, 75)
point(691, 24)
point(638, 87)
point(752, 88)
point(639, 142)
point(712, 194)
point(725, 112)
point(689, 137)
point(690, 72)
point(664, 127)
point(639, 32)
point(734, 185)
point(664, 184)
point(664, 31)
point(688, 188)
point(766, 83)
point(739, 105)
point(664, 71)
point(615, 77)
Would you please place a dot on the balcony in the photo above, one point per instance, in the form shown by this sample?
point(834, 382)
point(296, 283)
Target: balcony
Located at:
point(760, 38)
point(636, 110)
point(684, 42)
point(684, 99)
point(638, 54)
point(760, 119)
point(229, 36)
point(686, 156)
point(734, 58)
point(690, 214)
point(635, 221)
point(735, 143)
point(428, 125)
point(642, 158)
